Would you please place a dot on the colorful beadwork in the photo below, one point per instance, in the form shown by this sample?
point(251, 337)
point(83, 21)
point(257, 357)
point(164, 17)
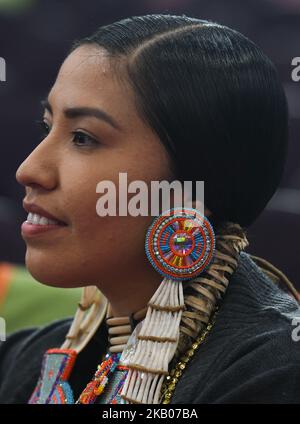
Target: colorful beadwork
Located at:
point(112, 392)
point(62, 394)
point(108, 381)
point(52, 386)
point(102, 377)
point(180, 243)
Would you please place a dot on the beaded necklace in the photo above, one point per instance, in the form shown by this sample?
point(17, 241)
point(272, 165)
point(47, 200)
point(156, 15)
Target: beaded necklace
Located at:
point(111, 374)
point(108, 380)
point(104, 373)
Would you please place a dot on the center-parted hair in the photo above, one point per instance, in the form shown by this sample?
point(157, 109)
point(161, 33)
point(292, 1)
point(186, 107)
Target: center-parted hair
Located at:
point(215, 101)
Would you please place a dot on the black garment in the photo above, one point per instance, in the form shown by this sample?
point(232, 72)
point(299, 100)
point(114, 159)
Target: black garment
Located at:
point(249, 356)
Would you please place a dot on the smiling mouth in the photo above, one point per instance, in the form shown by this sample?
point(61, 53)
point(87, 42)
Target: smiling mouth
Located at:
point(37, 225)
point(36, 219)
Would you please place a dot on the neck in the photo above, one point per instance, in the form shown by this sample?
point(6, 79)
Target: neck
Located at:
point(132, 292)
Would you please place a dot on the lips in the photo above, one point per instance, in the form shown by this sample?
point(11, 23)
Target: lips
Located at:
point(35, 209)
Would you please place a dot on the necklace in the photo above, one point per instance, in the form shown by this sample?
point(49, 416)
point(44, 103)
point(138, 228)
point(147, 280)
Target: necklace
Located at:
point(121, 328)
point(110, 372)
point(172, 378)
point(108, 380)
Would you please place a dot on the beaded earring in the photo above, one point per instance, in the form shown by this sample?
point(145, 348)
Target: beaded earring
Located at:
point(179, 245)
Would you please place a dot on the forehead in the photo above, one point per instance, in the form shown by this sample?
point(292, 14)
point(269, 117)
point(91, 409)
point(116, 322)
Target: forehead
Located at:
point(86, 64)
point(87, 78)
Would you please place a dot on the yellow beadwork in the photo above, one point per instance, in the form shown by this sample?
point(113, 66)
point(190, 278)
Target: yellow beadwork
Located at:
point(98, 390)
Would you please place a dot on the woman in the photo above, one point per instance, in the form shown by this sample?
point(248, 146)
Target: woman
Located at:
point(158, 97)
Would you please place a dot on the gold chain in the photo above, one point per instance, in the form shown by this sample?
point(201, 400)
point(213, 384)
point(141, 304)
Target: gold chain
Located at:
point(172, 378)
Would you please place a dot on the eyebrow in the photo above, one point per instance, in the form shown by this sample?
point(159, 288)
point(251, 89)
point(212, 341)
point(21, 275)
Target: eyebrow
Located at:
point(76, 112)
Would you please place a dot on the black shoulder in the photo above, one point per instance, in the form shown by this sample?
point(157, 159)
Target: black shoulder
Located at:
point(250, 356)
point(21, 358)
point(261, 364)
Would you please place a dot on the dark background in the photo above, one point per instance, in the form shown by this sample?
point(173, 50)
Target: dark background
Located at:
point(34, 39)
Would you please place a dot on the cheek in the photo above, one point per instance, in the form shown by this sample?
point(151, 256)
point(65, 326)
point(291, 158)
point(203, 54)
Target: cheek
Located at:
point(112, 236)
point(111, 242)
point(148, 162)
point(101, 242)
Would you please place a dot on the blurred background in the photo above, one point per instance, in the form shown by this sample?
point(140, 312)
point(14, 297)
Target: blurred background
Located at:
point(35, 36)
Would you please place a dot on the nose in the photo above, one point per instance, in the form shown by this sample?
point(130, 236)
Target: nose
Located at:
point(38, 170)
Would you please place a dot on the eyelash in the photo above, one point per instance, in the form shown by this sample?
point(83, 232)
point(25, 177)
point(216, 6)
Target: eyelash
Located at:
point(45, 129)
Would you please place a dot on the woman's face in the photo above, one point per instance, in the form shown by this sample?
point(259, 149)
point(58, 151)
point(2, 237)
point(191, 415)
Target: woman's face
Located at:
point(62, 173)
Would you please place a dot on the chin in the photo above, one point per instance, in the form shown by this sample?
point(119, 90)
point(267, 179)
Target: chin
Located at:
point(50, 271)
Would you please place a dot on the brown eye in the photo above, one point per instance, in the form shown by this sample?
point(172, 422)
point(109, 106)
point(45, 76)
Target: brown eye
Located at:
point(82, 139)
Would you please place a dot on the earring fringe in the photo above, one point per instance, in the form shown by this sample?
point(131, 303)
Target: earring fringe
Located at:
point(157, 341)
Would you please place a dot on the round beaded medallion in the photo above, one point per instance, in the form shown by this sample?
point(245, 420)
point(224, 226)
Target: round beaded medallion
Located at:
point(180, 243)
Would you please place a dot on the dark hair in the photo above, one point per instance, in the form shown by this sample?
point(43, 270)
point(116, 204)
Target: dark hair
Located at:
point(215, 101)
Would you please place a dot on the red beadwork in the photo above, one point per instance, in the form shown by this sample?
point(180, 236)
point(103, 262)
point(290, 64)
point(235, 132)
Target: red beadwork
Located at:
point(180, 244)
point(100, 380)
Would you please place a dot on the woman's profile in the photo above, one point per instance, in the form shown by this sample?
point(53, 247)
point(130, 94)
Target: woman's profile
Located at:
point(173, 309)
